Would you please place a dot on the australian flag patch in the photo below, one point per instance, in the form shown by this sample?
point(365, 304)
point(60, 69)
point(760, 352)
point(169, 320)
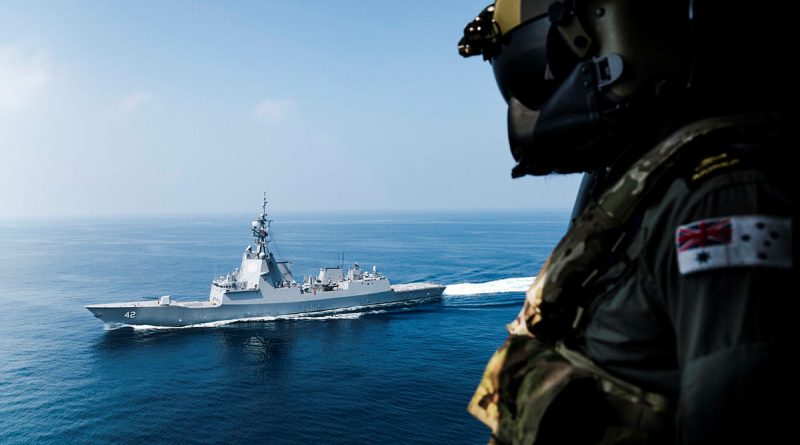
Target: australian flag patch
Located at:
point(735, 241)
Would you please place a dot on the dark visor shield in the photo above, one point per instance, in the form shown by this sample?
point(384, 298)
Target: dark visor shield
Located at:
point(520, 65)
point(518, 57)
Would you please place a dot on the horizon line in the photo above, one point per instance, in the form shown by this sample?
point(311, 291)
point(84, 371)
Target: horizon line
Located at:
point(420, 211)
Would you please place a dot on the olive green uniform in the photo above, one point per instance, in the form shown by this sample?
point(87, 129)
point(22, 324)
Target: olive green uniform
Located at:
point(670, 342)
point(710, 339)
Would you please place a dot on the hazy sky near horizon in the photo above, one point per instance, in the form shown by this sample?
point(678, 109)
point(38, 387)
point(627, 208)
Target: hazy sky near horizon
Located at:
point(172, 107)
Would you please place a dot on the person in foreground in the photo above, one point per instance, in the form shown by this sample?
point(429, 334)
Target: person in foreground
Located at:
point(664, 314)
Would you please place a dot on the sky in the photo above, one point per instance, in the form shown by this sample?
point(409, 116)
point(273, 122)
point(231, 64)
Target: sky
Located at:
point(112, 108)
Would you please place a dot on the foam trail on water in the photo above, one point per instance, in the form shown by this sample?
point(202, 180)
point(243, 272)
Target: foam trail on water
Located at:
point(216, 324)
point(517, 284)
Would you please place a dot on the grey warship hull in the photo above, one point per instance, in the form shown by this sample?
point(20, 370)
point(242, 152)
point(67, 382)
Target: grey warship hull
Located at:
point(264, 287)
point(177, 314)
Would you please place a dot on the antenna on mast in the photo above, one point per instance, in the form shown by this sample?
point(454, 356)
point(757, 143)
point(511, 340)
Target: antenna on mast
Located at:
point(261, 230)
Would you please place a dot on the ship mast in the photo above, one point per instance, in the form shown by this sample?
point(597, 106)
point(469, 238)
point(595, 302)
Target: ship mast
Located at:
point(261, 231)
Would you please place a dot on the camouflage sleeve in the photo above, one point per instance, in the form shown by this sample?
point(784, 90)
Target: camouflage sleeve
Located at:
point(727, 287)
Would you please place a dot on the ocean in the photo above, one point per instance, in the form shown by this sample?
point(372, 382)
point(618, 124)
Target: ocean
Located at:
point(397, 374)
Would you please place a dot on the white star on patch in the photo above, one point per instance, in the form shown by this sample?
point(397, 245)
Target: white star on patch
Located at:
point(735, 241)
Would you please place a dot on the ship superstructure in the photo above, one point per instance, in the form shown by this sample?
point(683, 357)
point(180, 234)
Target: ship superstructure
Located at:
point(262, 286)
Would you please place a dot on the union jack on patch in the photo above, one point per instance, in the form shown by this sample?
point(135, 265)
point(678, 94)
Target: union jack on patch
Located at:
point(707, 233)
point(735, 241)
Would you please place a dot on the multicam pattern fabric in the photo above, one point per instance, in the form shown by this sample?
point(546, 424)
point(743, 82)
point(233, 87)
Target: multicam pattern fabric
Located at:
point(513, 401)
point(553, 300)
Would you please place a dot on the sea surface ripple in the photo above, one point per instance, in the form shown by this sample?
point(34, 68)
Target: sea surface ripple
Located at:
point(399, 373)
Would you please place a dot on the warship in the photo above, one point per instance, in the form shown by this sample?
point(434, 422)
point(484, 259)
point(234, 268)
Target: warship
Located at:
point(264, 287)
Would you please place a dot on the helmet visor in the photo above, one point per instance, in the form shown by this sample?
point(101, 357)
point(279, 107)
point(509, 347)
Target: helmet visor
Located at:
point(520, 66)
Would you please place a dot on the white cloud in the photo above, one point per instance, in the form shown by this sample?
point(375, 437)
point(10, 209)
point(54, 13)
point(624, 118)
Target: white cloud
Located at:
point(273, 110)
point(135, 100)
point(23, 78)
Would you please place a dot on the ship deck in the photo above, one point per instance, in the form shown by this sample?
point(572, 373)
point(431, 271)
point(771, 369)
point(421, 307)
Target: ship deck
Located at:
point(154, 303)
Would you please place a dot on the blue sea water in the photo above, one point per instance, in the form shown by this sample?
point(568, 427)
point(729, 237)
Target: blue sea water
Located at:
point(401, 374)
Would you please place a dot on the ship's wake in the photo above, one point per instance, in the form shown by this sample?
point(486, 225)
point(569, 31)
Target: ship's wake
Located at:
point(505, 285)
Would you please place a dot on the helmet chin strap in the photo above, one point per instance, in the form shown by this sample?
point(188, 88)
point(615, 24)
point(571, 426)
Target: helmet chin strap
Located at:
point(560, 136)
